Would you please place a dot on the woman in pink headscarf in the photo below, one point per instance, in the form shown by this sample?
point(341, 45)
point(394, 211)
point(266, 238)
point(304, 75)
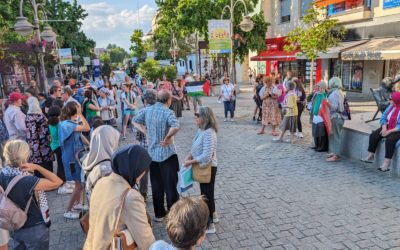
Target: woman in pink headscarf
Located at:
point(390, 129)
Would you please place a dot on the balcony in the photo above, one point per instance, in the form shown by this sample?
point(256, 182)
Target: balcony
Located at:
point(349, 11)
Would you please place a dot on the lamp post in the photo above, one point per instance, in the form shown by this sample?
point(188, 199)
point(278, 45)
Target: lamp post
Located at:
point(174, 48)
point(246, 25)
point(25, 28)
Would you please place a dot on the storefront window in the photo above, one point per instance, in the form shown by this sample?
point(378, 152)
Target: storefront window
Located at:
point(394, 68)
point(351, 73)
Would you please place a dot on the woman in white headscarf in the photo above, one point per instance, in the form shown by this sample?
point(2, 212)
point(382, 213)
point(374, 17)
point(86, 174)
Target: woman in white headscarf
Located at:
point(38, 136)
point(336, 107)
point(97, 163)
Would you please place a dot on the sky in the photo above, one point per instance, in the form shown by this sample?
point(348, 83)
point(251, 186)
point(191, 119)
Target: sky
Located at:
point(113, 21)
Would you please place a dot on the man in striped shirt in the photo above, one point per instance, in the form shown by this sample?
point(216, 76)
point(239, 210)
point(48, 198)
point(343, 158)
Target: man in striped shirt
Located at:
point(159, 123)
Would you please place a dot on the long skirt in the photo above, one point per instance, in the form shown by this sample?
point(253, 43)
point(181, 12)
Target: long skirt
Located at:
point(335, 136)
point(320, 135)
point(177, 106)
point(271, 113)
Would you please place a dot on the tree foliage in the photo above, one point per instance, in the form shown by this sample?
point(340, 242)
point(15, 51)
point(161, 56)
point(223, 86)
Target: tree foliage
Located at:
point(319, 35)
point(116, 54)
point(152, 70)
point(186, 17)
point(137, 46)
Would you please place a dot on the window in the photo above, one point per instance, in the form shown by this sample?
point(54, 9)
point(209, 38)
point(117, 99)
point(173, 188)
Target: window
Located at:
point(305, 5)
point(344, 6)
point(285, 10)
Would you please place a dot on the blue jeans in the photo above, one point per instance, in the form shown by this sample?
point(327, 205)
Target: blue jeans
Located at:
point(31, 238)
point(228, 106)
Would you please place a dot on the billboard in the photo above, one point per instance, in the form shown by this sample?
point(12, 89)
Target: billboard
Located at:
point(86, 61)
point(388, 4)
point(65, 56)
point(219, 34)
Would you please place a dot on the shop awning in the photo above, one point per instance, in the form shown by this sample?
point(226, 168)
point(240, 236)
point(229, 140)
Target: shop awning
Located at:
point(335, 51)
point(375, 49)
point(324, 3)
point(275, 55)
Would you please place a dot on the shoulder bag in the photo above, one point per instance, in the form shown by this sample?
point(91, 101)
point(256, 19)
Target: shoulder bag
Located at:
point(201, 174)
point(122, 240)
point(12, 217)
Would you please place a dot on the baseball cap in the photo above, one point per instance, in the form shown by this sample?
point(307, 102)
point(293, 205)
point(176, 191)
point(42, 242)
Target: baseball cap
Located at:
point(15, 96)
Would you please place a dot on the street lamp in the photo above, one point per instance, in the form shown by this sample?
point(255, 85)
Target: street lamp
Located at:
point(246, 25)
point(174, 48)
point(25, 28)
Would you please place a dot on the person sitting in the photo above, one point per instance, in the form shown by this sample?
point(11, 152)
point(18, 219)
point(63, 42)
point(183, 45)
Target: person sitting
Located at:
point(390, 129)
point(186, 224)
point(129, 165)
point(28, 192)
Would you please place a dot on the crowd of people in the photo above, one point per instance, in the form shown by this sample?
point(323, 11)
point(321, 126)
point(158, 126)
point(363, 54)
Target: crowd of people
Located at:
point(74, 126)
point(281, 104)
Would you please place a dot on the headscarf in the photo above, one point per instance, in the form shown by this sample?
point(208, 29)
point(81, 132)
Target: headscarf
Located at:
point(395, 110)
point(104, 141)
point(130, 162)
point(335, 83)
point(34, 106)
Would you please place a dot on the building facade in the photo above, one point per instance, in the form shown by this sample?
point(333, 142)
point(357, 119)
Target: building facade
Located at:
point(370, 51)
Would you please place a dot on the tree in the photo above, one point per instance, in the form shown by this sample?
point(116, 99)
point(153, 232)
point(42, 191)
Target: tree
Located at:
point(150, 69)
point(117, 54)
point(187, 17)
point(319, 35)
point(137, 47)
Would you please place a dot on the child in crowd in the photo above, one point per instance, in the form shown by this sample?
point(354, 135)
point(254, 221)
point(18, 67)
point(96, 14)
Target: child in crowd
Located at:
point(186, 225)
point(290, 120)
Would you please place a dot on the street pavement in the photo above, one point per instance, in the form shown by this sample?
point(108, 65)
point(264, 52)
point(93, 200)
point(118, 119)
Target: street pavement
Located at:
point(277, 195)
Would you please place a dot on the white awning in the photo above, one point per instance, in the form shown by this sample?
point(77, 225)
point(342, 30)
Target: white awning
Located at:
point(335, 51)
point(375, 49)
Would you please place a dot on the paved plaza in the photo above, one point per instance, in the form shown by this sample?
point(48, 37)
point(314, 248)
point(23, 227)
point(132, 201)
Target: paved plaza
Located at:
point(277, 195)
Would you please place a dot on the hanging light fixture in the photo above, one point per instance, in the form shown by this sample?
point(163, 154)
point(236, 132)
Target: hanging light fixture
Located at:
point(246, 24)
point(23, 27)
point(48, 34)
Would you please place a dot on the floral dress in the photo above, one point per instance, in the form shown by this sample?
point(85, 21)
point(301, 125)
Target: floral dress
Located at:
point(38, 138)
point(271, 113)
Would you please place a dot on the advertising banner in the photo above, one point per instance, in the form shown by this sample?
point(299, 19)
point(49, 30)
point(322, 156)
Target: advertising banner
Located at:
point(219, 34)
point(86, 61)
point(65, 56)
point(388, 4)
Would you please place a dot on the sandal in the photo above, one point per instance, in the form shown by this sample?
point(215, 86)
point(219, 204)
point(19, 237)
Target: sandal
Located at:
point(329, 155)
point(334, 158)
point(367, 160)
point(260, 132)
point(277, 140)
point(384, 168)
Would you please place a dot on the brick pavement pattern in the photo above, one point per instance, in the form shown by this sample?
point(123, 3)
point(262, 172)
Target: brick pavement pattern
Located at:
point(277, 195)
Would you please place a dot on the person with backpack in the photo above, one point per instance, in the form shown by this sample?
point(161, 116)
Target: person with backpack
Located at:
point(336, 98)
point(27, 193)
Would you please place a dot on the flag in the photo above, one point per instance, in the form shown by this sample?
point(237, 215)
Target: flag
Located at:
point(196, 88)
point(324, 113)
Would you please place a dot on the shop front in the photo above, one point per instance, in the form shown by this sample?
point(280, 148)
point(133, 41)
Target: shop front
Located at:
point(370, 62)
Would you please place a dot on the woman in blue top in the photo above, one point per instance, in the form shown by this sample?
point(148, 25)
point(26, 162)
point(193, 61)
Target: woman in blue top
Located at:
point(69, 136)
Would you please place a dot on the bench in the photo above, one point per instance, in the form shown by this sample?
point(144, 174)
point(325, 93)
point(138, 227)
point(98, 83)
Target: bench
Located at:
point(381, 97)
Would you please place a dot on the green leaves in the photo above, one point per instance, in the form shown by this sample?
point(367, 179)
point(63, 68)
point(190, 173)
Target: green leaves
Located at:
point(319, 35)
point(151, 70)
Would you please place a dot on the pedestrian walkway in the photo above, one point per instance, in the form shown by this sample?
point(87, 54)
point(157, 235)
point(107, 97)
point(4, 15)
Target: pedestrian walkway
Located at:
point(277, 195)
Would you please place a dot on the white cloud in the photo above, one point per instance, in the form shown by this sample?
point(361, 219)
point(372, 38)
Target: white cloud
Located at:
point(106, 24)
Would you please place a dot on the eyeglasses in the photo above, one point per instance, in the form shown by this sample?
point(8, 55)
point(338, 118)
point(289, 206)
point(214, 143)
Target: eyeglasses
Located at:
point(197, 115)
point(58, 90)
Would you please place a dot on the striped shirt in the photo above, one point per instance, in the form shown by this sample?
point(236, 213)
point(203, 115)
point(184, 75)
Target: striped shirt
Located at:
point(158, 119)
point(204, 147)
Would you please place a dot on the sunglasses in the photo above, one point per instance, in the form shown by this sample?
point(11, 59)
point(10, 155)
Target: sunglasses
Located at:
point(197, 115)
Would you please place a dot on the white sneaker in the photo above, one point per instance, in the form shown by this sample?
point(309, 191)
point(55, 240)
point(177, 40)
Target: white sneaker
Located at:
point(225, 120)
point(215, 217)
point(64, 190)
point(81, 207)
point(211, 229)
point(300, 135)
point(231, 120)
point(70, 184)
point(71, 215)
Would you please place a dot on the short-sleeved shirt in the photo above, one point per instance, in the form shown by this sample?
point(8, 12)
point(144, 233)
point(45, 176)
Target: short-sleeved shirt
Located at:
point(128, 97)
point(21, 194)
point(89, 113)
point(54, 144)
point(226, 91)
point(158, 119)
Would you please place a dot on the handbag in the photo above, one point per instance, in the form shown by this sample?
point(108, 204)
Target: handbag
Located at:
point(122, 240)
point(201, 174)
point(84, 222)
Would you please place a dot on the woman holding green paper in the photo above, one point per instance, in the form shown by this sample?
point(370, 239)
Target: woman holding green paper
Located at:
point(318, 127)
point(204, 152)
